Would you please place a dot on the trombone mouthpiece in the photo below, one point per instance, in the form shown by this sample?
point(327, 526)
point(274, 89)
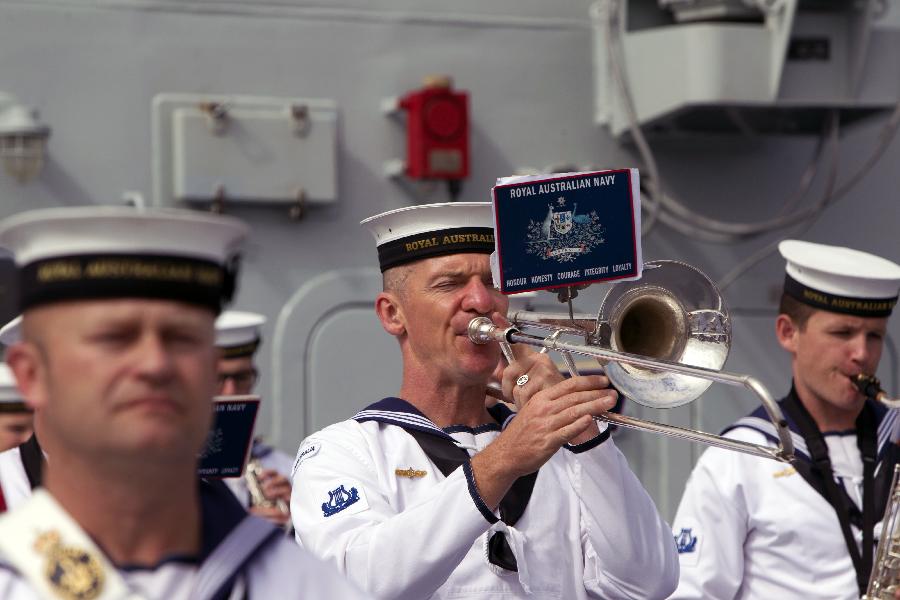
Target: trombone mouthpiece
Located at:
point(480, 329)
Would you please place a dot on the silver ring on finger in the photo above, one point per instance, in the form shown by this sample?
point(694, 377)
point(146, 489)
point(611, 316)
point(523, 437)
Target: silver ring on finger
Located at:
point(522, 380)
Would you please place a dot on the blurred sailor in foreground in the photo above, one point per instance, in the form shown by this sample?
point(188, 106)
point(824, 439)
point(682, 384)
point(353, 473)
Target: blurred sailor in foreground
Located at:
point(117, 356)
point(430, 495)
point(238, 337)
point(15, 427)
point(752, 528)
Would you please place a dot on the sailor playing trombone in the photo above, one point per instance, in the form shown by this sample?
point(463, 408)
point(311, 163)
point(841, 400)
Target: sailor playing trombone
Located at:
point(431, 495)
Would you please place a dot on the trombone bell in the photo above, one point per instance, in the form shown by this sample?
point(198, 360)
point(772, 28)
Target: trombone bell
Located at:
point(674, 313)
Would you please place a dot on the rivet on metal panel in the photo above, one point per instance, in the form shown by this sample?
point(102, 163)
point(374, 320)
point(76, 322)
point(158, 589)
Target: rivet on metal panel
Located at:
point(298, 209)
point(218, 116)
point(300, 117)
point(218, 202)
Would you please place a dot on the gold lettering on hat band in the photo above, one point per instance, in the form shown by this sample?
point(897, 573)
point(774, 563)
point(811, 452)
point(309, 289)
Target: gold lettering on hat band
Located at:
point(815, 296)
point(431, 242)
point(466, 238)
point(59, 270)
point(128, 268)
point(419, 244)
point(133, 269)
point(848, 303)
point(863, 307)
point(435, 243)
point(247, 349)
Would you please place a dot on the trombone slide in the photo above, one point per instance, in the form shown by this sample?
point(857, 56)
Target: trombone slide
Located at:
point(482, 330)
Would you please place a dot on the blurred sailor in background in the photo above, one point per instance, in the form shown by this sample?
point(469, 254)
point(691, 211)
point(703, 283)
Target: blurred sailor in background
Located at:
point(238, 337)
point(16, 422)
point(16, 418)
point(118, 358)
point(432, 495)
point(753, 528)
point(21, 458)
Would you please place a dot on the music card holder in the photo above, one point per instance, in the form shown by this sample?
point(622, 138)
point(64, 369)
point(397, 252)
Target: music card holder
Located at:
point(566, 230)
point(228, 444)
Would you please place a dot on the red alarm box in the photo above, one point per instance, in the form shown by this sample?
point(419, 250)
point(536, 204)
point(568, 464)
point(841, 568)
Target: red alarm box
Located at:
point(437, 131)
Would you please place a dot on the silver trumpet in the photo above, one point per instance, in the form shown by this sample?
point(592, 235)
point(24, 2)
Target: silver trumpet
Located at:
point(661, 340)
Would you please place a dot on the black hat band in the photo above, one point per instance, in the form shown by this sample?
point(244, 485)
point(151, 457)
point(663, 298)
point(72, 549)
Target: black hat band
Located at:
point(860, 307)
point(101, 276)
point(240, 351)
point(435, 243)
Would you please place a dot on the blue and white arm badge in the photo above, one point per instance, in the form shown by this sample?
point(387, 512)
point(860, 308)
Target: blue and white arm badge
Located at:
point(339, 499)
point(685, 541)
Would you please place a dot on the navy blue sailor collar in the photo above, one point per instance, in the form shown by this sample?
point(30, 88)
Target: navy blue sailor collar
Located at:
point(399, 412)
point(220, 513)
point(758, 420)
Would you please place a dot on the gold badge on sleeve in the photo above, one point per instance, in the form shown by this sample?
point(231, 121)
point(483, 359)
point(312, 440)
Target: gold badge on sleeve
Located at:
point(73, 573)
point(785, 472)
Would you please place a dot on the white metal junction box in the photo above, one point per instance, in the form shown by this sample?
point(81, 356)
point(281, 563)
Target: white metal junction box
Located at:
point(231, 148)
point(781, 72)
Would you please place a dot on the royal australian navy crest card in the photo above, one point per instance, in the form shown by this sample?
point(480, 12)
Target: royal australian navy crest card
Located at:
point(567, 229)
point(230, 436)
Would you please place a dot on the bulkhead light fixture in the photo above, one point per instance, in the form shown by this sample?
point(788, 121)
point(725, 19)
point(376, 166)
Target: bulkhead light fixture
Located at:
point(23, 139)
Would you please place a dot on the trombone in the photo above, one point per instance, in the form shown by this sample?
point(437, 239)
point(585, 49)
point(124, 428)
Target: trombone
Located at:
point(662, 341)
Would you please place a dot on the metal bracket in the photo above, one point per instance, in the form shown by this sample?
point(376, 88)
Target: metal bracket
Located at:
point(298, 209)
point(218, 116)
point(218, 203)
point(300, 118)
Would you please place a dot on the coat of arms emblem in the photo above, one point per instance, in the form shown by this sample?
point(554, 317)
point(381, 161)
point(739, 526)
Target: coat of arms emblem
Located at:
point(562, 221)
point(70, 571)
point(564, 234)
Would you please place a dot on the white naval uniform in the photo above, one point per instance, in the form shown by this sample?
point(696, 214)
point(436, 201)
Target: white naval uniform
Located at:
point(259, 564)
point(270, 458)
point(13, 479)
point(753, 528)
point(590, 529)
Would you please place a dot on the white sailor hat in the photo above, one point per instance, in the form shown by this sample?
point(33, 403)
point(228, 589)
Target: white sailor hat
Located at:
point(238, 333)
point(11, 399)
point(93, 252)
point(11, 332)
point(412, 233)
point(840, 280)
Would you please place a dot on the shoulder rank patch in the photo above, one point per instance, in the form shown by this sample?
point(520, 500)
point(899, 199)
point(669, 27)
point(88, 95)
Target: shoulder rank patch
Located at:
point(306, 451)
point(71, 571)
point(685, 541)
point(410, 472)
point(339, 499)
